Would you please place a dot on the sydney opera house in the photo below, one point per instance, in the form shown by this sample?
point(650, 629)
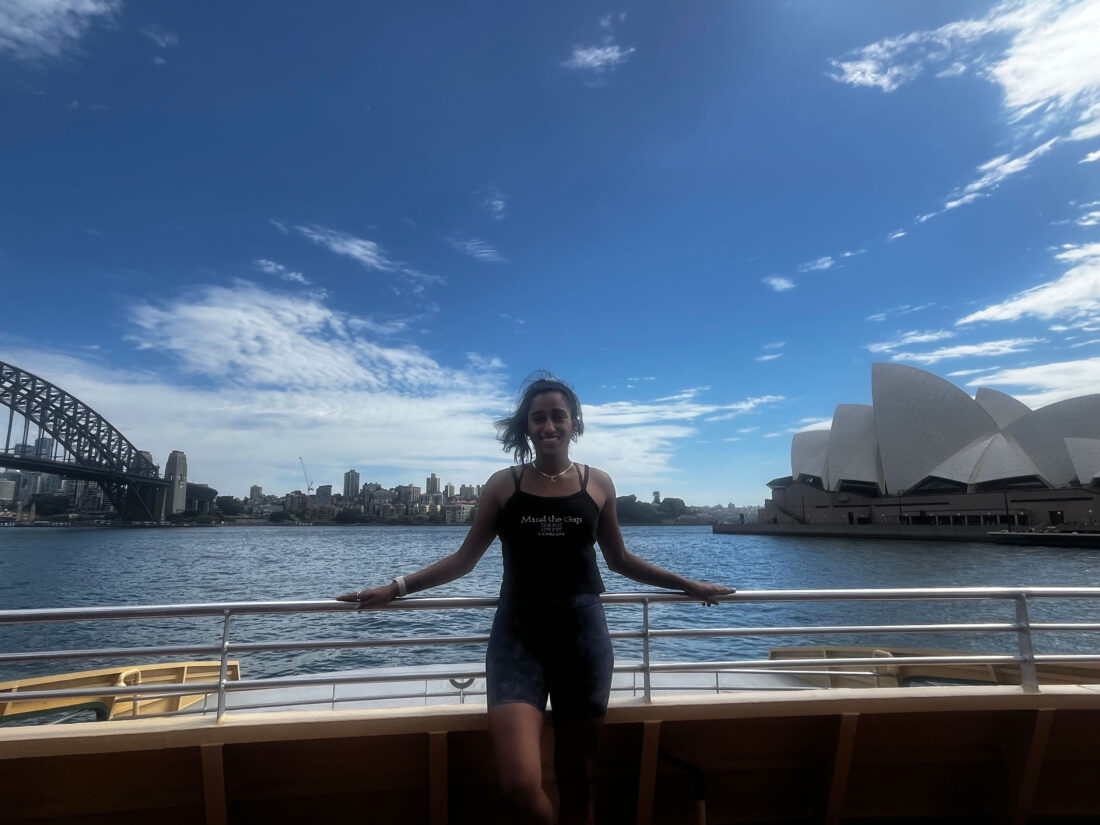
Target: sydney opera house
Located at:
point(927, 453)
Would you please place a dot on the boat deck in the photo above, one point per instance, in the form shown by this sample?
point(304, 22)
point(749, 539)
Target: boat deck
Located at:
point(964, 754)
point(780, 740)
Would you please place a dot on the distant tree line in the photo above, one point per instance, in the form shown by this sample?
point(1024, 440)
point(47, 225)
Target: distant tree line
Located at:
point(661, 511)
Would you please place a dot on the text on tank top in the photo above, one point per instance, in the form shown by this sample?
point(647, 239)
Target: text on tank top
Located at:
point(548, 543)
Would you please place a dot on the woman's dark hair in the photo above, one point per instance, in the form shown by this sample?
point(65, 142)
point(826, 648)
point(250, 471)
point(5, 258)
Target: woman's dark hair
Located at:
point(512, 431)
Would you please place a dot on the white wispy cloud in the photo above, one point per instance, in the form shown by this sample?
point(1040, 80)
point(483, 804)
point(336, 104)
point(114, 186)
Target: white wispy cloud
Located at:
point(907, 339)
point(1042, 384)
point(779, 284)
point(476, 249)
point(1046, 60)
point(35, 29)
point(990, 176)
point(897, 233)
point(960, 373)
point(274, 268)
point(1073, 296)
point(1091, 157)
point(368, 253)
point(806, 424)
point(597, 59)
point(164, 38)
point(824, 262)
point(901, 309)
point(680, 407)
point(994, 172)
point(1007, 346)
point(492, 201)
point(771, 356)
point(775, 345)
point(84, 106)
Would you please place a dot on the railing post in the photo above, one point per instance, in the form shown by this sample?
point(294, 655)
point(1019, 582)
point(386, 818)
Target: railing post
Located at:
point(223, 676)
point(1029, 677)
point(646, 678)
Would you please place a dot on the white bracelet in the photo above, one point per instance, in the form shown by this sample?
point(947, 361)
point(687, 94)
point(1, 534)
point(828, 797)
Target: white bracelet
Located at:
point(402, 590)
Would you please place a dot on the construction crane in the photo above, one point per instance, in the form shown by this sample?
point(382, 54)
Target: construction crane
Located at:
point(305, 475)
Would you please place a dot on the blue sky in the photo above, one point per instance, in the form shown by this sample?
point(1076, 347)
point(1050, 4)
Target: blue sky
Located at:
point(349, 231)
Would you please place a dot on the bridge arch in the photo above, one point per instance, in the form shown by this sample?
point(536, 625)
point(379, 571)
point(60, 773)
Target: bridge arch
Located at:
point(95, 449)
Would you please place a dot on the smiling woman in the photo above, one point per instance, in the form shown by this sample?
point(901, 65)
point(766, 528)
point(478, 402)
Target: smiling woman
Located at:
point(549, 638)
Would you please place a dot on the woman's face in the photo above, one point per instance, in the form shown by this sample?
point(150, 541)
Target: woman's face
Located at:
point(549, 424)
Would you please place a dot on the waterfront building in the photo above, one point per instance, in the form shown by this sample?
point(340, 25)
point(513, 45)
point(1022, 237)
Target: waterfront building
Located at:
point(324, 495)
point(407, 494)
point(295, 502)
point(457, 513)
point(926, 452)
point(255, 493)
point(320, 512)
point(351, 484)
point(431, 485)
point(448, 491)
point(7, 490)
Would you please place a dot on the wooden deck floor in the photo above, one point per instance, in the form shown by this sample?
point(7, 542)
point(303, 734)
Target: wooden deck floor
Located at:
point(971, 754)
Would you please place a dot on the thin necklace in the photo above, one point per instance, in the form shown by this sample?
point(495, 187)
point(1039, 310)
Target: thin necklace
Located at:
point(553, 478)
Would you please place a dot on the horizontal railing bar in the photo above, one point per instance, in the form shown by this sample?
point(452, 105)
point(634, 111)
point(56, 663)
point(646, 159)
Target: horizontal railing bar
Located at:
point(185, 689)
point(1075, 626)
point(470, 602)
point(173, 611)
point(323, 644)
point(110, 652)
point(809, 630)
point(848, 661)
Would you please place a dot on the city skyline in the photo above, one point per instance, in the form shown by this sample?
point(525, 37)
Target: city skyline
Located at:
point(345, 236)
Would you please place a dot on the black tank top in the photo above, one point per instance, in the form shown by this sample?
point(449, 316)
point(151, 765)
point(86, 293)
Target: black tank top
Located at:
point(549, 543)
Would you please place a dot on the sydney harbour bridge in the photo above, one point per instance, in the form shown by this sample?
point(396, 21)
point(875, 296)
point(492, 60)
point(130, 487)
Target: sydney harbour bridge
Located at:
point(85, 445)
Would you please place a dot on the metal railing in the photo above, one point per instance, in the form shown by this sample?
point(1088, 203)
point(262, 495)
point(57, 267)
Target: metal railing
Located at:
point(1019, 624)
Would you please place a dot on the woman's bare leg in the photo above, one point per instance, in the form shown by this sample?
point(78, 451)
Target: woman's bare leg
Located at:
point(516, 732)
point(574, 748)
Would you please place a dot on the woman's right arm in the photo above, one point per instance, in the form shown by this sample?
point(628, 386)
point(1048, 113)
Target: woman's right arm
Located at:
point(459, 563)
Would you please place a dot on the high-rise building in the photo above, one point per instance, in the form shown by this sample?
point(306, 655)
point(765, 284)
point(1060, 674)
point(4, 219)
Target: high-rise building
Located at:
point(407, 493)
point(7, 490)
point(448, 491)
point(431, 485)
point(43, 447)
point(175, 471)
point(351, 484)
point(255, 492)
point(324, 495)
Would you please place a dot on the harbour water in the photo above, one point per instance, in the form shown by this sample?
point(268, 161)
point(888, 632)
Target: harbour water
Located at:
point(50, 568)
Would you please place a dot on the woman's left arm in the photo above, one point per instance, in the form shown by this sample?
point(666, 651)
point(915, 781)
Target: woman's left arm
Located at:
point(625, 563)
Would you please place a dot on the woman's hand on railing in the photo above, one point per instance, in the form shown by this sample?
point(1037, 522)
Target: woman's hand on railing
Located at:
point(372, 597)
point(706, 592)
